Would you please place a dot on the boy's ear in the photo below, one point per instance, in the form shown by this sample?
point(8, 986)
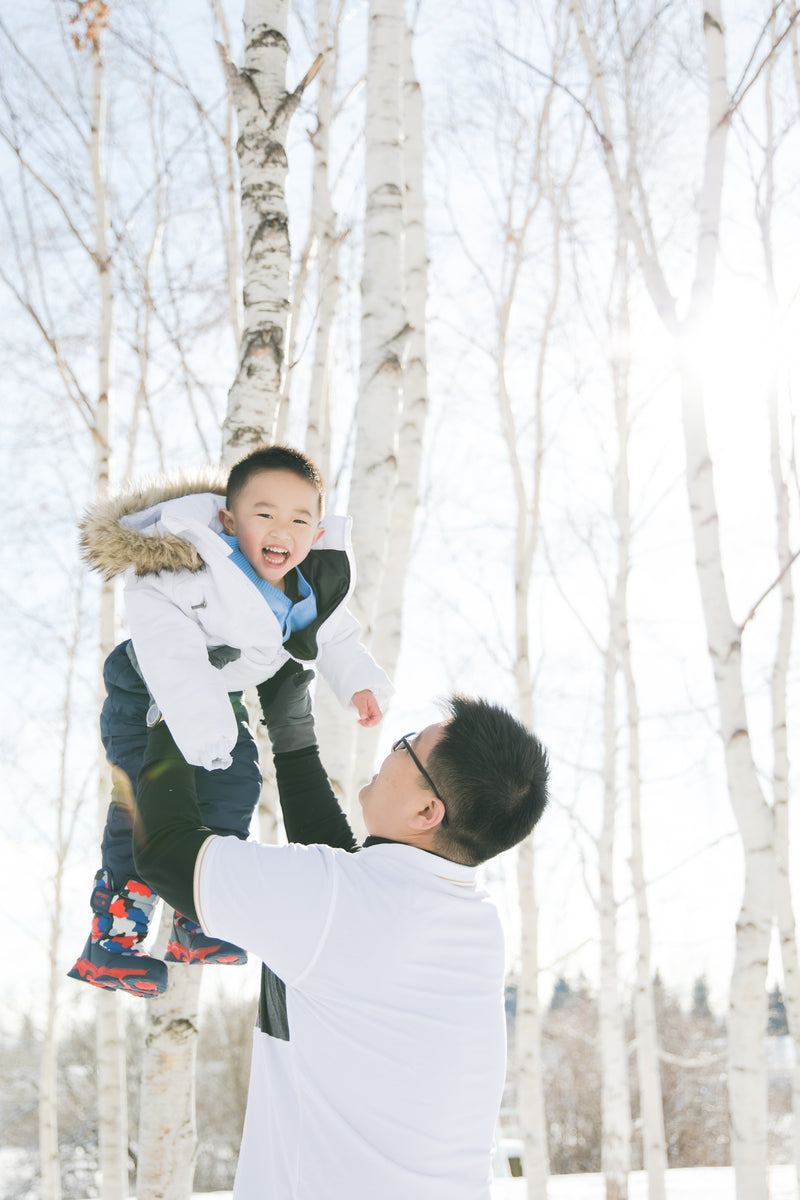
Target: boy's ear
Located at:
point(317, 535)
point(227, 522)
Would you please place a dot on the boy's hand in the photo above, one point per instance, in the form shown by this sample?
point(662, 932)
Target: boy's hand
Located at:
point(369, 712)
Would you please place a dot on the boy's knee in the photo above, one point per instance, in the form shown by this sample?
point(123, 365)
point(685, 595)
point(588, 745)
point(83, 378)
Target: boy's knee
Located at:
point(119, 674)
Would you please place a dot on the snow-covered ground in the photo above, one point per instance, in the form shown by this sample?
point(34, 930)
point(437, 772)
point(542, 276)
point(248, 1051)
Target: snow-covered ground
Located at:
point(693, 1183)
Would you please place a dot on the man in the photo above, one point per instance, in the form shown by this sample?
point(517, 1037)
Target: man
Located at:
point(379, 1054)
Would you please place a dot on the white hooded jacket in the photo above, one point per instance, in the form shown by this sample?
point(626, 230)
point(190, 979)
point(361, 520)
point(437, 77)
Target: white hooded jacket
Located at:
point(184, 596)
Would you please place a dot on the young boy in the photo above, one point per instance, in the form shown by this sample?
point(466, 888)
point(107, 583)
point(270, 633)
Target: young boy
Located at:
point(216, 602)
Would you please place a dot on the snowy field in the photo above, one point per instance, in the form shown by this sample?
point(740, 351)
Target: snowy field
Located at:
point(694, 1183)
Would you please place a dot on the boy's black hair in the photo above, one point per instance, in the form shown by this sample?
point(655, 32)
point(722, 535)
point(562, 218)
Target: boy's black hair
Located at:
point(492, 774)
point(273, 458)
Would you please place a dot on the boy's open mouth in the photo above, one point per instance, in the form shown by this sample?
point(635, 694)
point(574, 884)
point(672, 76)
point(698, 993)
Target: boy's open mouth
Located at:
point(274, 556)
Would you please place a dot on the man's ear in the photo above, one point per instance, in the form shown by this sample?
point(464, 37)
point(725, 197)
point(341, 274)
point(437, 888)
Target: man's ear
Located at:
point(227, 521)
point(429, 817)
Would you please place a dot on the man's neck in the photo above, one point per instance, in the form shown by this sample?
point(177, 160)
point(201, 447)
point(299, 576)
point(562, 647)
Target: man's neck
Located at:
point(428, 845)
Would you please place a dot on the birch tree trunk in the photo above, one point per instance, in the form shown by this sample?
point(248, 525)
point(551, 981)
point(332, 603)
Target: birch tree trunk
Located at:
point(530, 1085)
point(530, 183)
point(323, 220)
point(414, 378)
point(383, 318)
point(167, 1123)
point(654, 1144)
point(48, 1089)
point(167, 1119)
point(388, 630)
point(748, 997)
point(781, 790)
point(112, 1088)
point(233, 258)
point(748, 1009)
point(787, 929)
point(167, 1129)
point(264, 110)
point(48, 1068)
point(614, 1096)
point(795, 42)
point(383, 341)
point(747, 1022)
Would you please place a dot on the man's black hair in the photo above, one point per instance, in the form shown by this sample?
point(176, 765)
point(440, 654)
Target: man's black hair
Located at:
point(273, 458)
point(492, 774)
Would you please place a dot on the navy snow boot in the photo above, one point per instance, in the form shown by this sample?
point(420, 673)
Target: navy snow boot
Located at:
point(110, 958)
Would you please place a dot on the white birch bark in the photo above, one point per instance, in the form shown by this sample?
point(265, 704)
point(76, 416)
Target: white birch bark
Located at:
point(335, 727)
point(748, 1017)
point(383, 339)
point(281, 423)
point(388, 630)
point(264, 110)
point(654, 1145)
point(143, 325)
point(337, 730)
point(747, 1020)
point(530, 1082)
point(167, 1121)
point(414, 378)
point(529, 1078)
point(48, 1089)
point(112, 1090)
point(323, 219)
point(795, 43)
point(615, 1099)
point(530, 1085)
point(383, 320)
point(233, 257)
point(787, 930)
point(167, 1129)
point(526, 487)
point(654, 1142)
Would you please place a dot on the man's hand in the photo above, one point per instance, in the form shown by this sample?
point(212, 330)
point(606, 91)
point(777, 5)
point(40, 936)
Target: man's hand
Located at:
point(369, 712)
point(286, 706)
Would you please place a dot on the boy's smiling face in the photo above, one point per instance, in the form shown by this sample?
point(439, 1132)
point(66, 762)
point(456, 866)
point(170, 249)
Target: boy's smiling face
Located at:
point(275, 518)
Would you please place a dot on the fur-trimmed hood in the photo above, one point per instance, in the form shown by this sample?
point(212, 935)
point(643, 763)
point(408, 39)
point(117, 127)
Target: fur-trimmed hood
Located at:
point(110, 544)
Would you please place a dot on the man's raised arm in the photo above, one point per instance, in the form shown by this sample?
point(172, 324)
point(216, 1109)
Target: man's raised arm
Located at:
point(168, 831)
point(311, 812)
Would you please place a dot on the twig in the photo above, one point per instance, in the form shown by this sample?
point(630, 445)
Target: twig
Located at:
point(764, 595)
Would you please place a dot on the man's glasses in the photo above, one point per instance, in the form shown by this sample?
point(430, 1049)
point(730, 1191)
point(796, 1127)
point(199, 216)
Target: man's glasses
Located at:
point(404, 743)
